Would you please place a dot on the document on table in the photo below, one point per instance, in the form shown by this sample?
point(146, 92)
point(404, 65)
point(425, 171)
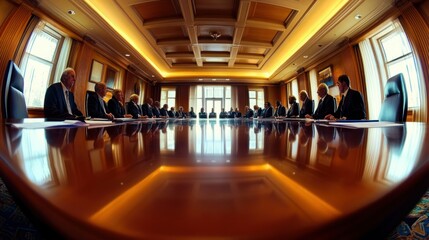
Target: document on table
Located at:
point(48, 124)
point(365, 124)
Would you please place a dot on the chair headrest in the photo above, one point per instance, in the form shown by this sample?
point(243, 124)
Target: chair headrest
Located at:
point(395, 85)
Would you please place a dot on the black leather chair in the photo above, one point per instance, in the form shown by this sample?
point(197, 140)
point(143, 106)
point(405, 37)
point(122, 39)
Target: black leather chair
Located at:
point(88, 94)
point(13, 106)
point(395, 105)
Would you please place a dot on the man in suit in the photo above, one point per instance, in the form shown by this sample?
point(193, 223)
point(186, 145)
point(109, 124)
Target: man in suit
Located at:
point(147, 108)
point(59, 100)
point(293, 110)
point(249, 112)
point(223, 113)
point(163, 112)
point(257, 111)
point(351, 106)
point(172, 113)
point(192, 113)
point(212, 114)
point(326, 104)
point(180, 113)
point(268, 110)
point(155, 110)
point(307, 104)
point(133, 107)
point(116, 104)
point(97, 108)
point(280, 110)
point(202, 113)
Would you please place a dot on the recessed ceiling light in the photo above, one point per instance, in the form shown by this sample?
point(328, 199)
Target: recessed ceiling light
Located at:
point(127, 55)
point(71, 12)
point(358, 16)
point(227, 79)
point(214, 79)
point(305, 56)
point(153, 76)
point(200, 79)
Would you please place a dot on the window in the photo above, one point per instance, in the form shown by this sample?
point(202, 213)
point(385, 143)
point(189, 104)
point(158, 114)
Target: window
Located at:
point(168, 95)
point(216, 97)
point(399, 58)
point(256, 97)
point(46, 52)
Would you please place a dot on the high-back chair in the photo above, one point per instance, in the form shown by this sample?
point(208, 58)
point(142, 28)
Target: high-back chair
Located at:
point(395, 105)
point(13, 100)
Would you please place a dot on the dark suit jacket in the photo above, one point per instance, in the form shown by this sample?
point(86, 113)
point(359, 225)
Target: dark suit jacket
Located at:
point(180, 114)
point(55, 106)
point(171, 114)
point(212, 115)
point(133, 109)
point(95, 109)
point(192, 114)
point(268, 112)
point(156, 112)
point(307, 108)
point(163, 112)
point(325, 107)
point(147, 110)
point(249, 113)
point(116, 108)
point(202, 114)
point(280, 111)
point(293, 110)
point(351, 106)
point(223, 114)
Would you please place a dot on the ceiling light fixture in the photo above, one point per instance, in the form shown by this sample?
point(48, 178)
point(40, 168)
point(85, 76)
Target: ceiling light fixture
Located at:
point(358, 16)
point(71, 12)
point(215, 35)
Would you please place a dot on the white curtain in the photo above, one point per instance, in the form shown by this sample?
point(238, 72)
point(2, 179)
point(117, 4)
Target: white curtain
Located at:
point(193, 98)
point(372, 79)
point(313, 87)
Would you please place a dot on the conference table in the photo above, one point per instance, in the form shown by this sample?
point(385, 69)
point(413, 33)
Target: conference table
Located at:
point(215, 179)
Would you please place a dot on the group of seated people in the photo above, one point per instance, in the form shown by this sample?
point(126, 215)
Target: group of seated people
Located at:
point(351, 106)
point(59, 104)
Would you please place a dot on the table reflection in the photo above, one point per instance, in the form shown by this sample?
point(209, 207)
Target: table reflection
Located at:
point(280, 163)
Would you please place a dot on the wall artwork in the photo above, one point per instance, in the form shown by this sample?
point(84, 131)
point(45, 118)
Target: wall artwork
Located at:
point(96, 71)
point(325, 76)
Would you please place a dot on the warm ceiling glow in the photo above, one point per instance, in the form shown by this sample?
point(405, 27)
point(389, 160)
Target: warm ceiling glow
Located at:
point(316, 18)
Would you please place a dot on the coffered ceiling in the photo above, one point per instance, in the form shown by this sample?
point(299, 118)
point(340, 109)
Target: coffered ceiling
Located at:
point(263, 41)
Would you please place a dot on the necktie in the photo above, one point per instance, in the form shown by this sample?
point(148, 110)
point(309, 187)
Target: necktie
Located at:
point(68, 102)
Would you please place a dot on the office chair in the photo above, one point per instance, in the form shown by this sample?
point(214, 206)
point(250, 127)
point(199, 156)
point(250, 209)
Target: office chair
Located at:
point(88, 94)
point(13, 106)
point(395, 105)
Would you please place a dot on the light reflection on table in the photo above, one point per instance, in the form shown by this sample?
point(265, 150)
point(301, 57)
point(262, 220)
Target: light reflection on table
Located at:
point(209, 178)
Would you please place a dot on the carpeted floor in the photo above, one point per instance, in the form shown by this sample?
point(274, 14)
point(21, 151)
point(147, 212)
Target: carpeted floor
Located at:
point(15, 225)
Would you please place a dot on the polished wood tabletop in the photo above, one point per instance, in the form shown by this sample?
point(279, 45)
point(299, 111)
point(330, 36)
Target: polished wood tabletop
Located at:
point(216, 179)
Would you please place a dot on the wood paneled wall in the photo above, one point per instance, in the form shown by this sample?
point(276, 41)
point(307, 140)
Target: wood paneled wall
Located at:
point(12, 30)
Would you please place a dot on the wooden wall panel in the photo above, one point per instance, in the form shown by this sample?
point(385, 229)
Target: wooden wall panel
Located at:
point(272, 94)
point(12, 30)
point(417, 30)
point(182, 97)
point(83, 70)
point(344, 62)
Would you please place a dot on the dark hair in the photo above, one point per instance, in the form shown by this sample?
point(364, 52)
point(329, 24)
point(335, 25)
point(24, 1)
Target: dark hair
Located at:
point(344, 78)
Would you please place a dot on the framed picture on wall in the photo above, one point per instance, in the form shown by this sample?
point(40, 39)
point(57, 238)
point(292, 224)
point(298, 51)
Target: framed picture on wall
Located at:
point(325, 76)
point(96, 71)
point(110, 77)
